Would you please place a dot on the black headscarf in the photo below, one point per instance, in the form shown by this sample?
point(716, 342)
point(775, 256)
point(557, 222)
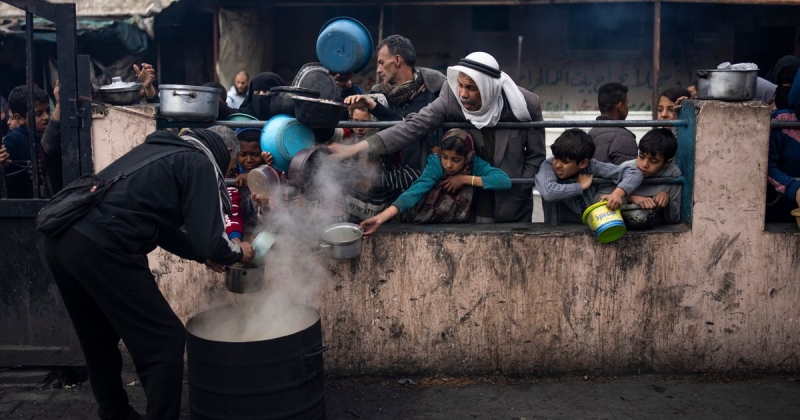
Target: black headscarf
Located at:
point(783, 72)
point(257, 105)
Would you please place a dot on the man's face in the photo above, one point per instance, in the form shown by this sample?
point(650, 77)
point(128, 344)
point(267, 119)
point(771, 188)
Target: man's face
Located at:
point(650, 164)
point(250, 155)
point(41, 111)
point(241, 83)
point(468, 93)
point(388, 65)
point(567, 168)
point(361, 115)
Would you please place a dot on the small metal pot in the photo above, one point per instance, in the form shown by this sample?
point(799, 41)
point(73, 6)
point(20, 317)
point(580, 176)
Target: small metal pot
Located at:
point(727, 85)
point(302, 169)
point(318, 113)
point(281, 101)
point(341, 241)
point(119, 92)
point(240, 278)
point(189, 102)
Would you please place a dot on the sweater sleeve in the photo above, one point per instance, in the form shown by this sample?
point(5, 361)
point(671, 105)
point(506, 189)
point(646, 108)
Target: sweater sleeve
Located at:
point(234, 223)
point(177, 242)
point(203, 214)
point(432, 174)
point(776, 175)
point(672, 213)
point(51, 139)
point(493, 178)
point(625, 177)
point(415, 127)
point(549, 187)
point(383, 113)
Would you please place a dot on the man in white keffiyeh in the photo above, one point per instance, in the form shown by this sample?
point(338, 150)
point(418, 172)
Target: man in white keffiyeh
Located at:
point(479, 93)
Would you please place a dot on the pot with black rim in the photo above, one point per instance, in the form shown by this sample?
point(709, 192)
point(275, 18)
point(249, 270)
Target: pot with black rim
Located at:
point(119, 92)
point(318, 113)
point(281, 101)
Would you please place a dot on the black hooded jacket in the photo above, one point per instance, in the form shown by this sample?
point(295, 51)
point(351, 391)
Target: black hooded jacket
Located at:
point(173, 203)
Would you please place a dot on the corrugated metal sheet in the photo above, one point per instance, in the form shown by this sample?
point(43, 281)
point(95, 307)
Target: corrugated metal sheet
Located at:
point(102, 8)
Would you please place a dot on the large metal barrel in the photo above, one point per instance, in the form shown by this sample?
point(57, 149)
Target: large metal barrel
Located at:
point(280, 378)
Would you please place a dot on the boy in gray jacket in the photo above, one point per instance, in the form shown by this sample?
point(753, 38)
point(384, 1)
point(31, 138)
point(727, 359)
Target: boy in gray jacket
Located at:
point(656, 155)
point(572, 159)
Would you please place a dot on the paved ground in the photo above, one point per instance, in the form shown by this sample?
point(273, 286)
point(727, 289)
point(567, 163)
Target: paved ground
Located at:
point(705, 397)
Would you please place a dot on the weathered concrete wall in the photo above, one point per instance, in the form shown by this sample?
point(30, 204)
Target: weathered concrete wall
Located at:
point(718, 296)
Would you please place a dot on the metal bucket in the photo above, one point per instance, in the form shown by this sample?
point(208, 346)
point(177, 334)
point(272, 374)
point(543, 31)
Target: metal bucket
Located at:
point(727, 85)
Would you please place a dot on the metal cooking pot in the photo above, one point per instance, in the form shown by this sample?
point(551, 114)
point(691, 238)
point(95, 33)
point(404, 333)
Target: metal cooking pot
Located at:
point(727, 85)
point(318, 113)
point(636, 217)
point(119, 92)
point(302, 169)
point(189, 102)
point(341, 241)
point(281, 101)
point(240, 278)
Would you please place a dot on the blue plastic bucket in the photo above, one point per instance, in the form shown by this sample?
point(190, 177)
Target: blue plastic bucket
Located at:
point(284, 136)
point(344, 45)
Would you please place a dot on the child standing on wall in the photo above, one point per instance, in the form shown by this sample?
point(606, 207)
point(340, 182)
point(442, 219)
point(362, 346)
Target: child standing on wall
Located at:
point(572, 160)
point(656, 160)
point(443, 193)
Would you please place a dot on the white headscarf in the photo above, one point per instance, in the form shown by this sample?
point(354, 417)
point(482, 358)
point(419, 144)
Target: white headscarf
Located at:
point(491, 82)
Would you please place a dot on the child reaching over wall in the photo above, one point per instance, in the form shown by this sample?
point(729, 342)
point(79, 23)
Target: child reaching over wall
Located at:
point(443, 193)
point(656, 155)
point(244, 208)
point(572, 159)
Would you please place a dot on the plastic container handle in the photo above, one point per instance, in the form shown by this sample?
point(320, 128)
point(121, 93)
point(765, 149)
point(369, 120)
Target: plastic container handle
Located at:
point(184, 93)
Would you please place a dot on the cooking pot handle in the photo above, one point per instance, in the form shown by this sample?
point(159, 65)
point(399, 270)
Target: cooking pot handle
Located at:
point(324, 246)
point(702, 74)
point(321, 350)
point(184, 93)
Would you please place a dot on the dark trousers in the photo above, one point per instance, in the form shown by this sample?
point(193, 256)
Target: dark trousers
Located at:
point(111, 295)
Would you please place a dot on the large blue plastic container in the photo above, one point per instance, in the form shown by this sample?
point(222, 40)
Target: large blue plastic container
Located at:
point(284, 136)
point(344, 45)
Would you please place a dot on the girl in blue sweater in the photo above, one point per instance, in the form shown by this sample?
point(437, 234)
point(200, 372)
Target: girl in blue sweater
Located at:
point(443, 193)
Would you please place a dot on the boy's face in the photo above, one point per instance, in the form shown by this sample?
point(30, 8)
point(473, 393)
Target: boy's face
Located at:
point(41, 112)
point(362, 115)
point(650, 164)
point(250, 155)
point(567, 168)
point(452, 162)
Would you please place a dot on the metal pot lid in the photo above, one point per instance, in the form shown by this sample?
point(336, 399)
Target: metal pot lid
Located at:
point(117, 85)
point(294, 90)
point(315, 77)
point(319, 101)
point(190, 88)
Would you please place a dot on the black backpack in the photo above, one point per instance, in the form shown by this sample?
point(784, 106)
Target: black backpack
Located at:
point(76, 199)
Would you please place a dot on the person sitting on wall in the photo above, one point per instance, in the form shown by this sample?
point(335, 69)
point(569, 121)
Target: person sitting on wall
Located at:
point(379, 180)
point(444, 191)
point(478, 92)
point(656, 160)
point(572, 159)
point(783, 164)
point(18, 142)
point(613, 144)
point(238, 92)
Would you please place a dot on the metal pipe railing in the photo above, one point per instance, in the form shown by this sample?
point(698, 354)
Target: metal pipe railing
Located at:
point(531, 124)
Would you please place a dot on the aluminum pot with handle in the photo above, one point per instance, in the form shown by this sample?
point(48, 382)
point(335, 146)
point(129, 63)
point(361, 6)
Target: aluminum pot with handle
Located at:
point(341, 241)
point(242, 278)
point(119, 92)
point(189, 102)
point(727, 85)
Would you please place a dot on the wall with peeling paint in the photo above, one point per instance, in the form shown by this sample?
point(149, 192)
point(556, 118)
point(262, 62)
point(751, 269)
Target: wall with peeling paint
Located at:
point(720, 295)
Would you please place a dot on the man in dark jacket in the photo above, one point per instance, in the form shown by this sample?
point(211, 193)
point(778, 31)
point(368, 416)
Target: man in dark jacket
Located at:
point(100, 265)
point(408, 89)
point(613, 144)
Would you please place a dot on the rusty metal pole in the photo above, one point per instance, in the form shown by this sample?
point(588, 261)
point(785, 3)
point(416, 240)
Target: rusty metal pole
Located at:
point(656, 54)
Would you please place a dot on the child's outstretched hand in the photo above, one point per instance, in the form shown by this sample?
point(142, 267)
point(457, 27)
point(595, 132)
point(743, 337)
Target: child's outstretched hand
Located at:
point(661, 200)
point(267, 157)
point(646, 203)
point(585, 180)
point(371, 225)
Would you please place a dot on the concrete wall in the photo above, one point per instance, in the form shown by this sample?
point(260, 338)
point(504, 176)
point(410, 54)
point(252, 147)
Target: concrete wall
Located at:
point(719, 295)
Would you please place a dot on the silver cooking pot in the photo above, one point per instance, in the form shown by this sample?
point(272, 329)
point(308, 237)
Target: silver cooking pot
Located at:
point(727, 85)
point(240, 278)
point(189, 102)
point(341, 241)
point(119, 92)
